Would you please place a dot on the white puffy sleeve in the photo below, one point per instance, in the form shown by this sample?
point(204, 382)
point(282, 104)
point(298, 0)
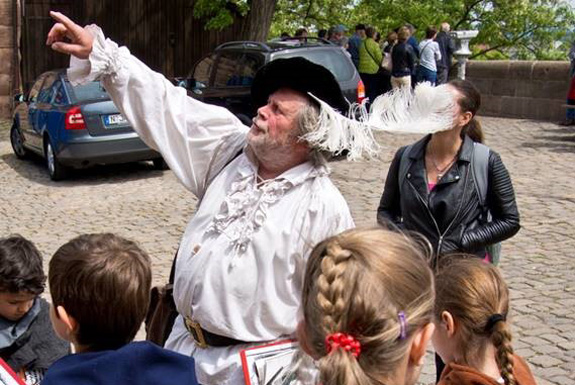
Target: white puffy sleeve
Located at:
point(196, 139)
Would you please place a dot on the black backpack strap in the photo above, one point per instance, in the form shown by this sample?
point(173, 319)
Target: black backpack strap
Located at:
point(404, 164)
point(480, 171)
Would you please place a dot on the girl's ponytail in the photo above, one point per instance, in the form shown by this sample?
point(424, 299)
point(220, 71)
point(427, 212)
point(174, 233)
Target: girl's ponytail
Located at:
point(474, 130)
point(501, 339)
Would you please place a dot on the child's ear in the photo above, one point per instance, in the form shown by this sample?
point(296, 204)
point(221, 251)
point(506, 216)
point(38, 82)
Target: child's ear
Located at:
point(449, 322)
point(69, 321)
point(419, 344)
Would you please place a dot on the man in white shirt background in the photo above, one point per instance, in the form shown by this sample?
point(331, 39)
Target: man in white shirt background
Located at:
point(429, 54)
point(241, 260)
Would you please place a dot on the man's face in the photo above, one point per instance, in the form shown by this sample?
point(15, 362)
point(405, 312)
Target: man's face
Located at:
point(276, 124)
point(361, 33)
point(14, 306)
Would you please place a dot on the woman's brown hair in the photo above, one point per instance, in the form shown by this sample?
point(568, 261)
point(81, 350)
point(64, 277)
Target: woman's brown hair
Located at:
point(477, 297)
point(469, 100)
point(361, 283)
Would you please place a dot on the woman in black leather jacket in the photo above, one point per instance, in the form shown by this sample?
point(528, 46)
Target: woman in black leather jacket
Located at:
point(438, 196)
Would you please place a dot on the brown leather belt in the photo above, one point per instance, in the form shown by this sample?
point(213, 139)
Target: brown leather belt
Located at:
point(204, 338)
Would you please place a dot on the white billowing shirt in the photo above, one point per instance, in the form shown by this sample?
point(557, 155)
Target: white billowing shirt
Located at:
point(241, 262)
point(429, 54)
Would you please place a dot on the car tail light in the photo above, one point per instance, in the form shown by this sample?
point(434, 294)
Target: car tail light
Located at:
point(74, 119)
point(360, 91)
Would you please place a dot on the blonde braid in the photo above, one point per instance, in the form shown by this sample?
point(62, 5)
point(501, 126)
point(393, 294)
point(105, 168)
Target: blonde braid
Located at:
point(501, 339)
point(331, 287)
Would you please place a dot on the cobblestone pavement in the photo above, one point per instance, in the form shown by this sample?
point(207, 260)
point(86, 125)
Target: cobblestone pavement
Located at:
point(152, 207)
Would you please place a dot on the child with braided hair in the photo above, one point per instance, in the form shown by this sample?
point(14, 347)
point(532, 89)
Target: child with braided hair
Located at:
point(472, 333)
point(368, 308)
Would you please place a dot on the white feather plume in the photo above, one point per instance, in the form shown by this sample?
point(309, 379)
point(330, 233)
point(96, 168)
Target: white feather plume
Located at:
point(425, 111)
point(335, 133)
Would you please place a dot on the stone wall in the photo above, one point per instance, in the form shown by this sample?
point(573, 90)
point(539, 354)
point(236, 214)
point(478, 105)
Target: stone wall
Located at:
point(6, 57)
point(521, 89)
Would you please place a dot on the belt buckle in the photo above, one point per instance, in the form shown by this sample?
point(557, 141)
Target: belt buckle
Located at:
point(196, 331)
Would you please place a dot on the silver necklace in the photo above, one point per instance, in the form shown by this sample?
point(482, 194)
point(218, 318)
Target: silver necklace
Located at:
point(441, 171)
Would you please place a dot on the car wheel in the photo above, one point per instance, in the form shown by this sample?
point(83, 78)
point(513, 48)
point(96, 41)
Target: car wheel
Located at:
point(56, 170)
point(17, 142)
point(160, 164)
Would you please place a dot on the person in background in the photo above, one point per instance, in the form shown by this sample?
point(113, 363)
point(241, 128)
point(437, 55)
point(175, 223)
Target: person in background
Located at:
point(429, 55)
point(370, 58)
point(412, 41)
point(472, 331)
point(301, 33)
point(391, 41)
point(367, 308)
point(447, 48)
point(338, 36)
point(28, 343)
point(403, 60)
point(570, 114)
point(322, 33)
point(355, 42)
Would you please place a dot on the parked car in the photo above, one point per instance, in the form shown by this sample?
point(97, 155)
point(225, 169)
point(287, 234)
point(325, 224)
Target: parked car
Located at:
point(224, 77)
point(74, 127)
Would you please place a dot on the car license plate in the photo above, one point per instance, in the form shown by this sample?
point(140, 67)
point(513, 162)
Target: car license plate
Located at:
point(114, 120)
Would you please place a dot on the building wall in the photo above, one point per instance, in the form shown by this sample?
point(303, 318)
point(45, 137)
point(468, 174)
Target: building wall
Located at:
point(6, 57)
point(521, 89)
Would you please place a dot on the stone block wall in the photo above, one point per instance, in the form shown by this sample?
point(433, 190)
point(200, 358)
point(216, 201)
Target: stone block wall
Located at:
point(521, 89)
point(6, 57)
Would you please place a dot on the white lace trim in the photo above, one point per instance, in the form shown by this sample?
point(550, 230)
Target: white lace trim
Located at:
point(245, 207)
point(105, 59)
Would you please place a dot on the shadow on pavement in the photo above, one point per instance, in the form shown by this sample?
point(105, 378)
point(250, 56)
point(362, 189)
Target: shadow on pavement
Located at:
point(34, 169)
point(559, 139)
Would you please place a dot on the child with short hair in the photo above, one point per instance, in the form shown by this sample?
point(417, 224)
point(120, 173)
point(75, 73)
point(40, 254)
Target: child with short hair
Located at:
point(368, 306)
point(472, 330)
point(27, 342)
point(100, 287)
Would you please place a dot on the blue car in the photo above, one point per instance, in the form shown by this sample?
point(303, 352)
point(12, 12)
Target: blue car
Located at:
point(74, 127)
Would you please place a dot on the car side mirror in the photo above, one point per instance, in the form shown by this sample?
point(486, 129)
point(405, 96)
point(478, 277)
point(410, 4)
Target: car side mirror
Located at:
point(19, 98)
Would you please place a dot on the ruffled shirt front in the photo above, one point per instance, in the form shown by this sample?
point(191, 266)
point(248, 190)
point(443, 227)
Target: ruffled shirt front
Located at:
point(242, 258)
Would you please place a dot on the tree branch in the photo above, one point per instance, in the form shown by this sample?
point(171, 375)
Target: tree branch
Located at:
point(506, 44)
point(466, 13)
point(308, 11)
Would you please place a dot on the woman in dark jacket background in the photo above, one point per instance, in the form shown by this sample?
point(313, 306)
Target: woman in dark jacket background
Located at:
point(438, 196)
point(403, 60)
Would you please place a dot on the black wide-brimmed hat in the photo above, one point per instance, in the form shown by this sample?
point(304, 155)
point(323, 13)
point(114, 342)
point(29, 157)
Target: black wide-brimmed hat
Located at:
point(301, 75)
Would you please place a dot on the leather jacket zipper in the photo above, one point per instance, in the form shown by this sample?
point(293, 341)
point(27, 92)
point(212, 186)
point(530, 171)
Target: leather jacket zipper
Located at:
point(442, 235)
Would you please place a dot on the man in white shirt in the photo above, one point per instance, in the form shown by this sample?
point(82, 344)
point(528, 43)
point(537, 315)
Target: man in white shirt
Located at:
point(429, 55)
point(241, 261)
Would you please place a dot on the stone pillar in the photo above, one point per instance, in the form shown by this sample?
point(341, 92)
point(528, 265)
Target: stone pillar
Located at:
point(6, 57)
point(462, 53)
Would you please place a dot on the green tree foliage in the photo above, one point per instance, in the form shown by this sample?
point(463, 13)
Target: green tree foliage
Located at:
point(518, 29)
point(220, 13)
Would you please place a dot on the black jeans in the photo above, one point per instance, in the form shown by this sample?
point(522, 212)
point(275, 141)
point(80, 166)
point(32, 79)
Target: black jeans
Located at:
point(372, 85)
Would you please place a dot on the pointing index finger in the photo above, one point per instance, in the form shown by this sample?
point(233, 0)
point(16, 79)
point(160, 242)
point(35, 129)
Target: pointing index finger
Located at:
point(69, 24)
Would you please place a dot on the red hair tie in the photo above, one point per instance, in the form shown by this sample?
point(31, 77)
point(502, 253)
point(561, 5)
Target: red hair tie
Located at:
point(344, 341)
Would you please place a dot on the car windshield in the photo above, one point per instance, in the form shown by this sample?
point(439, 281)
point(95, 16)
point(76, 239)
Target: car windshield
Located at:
point(89, 91)
point(333, 60)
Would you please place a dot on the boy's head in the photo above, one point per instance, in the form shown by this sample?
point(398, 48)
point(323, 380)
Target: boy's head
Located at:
point(21, 276)
point(100, 288)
